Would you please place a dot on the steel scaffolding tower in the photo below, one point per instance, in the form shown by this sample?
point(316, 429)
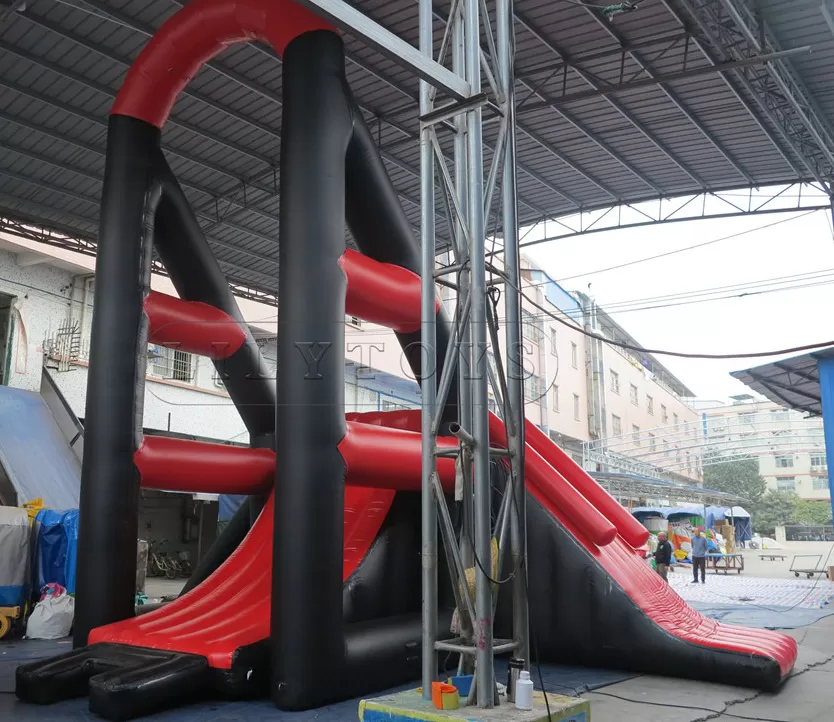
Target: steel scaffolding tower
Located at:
point(454, 100)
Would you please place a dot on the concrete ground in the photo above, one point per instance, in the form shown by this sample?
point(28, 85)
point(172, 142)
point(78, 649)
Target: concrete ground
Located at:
point(754, 566)
point(159, 588)
point(806, 696)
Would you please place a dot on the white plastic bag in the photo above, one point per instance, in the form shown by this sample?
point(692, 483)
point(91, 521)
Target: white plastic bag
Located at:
point(51, 618)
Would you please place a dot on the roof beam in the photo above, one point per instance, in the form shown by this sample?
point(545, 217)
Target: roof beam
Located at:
point(761, 102)
point(616, 105)
point(176, 120)
point(227, 196)
point(814, 125)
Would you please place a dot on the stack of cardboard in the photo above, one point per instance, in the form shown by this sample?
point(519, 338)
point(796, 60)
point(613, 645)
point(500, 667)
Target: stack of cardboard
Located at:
point(725, 529)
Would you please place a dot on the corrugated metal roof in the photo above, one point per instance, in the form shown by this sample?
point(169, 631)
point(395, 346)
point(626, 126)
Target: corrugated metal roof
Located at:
point(61, 65)
point(793, 383)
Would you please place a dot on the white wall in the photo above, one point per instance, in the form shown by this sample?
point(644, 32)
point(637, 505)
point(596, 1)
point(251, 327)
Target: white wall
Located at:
point(42, 304)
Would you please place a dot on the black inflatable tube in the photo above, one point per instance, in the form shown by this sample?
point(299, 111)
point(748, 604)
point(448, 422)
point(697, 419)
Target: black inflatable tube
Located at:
point(197, 276)
point(382, 232)
point(307, 636)
point(109, 499)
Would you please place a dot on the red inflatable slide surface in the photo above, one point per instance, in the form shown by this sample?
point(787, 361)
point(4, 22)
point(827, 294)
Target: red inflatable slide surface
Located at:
point(231, 608)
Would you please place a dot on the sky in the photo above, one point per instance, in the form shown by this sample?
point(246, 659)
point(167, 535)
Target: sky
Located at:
point(763, 322)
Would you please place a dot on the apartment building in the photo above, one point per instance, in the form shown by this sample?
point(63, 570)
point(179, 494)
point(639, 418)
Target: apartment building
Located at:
point(789, 445)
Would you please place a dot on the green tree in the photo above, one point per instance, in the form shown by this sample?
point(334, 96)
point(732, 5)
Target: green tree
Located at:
point(739, 476)
point(776, 508)
point(812, 512)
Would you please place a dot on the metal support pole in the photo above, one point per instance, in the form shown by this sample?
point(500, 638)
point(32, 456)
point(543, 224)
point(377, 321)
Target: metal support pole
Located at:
point(465, 353)
point(429, 381)
point(478, 382)
point(512, 325)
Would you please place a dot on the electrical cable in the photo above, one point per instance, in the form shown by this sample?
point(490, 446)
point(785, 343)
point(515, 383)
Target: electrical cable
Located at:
point(659, 352)
point(677, 250)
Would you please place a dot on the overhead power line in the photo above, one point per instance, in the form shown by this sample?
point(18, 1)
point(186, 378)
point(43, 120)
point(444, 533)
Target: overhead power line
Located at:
point(662, 352)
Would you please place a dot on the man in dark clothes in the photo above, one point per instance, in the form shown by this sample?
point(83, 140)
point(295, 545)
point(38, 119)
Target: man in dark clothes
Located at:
point(663, 555)
point(699, 556)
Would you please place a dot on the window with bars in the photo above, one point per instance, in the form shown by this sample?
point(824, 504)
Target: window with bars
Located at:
point(555, 393)
point(576, 407)
point(819, 461)
point(664, 414)
point(820, 483)
point(784, 462)
point(574, 355)
point(534, 387)
point(615, 382)
point(616, 425)
point(632, 392)
point(652, 442)
point(392, 406)
point(786, 483)
point(169, 363)
point(650, 404)
point(530, 327)
point(635, 434)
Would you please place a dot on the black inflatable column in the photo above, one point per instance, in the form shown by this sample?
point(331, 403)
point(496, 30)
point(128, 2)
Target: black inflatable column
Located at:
point(106, 585)
point(307, 625)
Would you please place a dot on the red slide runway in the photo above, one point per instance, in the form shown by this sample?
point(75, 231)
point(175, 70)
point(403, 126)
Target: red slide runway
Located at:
point(231, 609)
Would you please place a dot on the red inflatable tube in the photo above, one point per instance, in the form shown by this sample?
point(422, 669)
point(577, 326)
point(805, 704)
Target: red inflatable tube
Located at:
point(200, 467)
point(382, 293)
point(192, 326)
point(389, 458)
point(193, 36)
point(375, 457)
point(627, 526)
point(542, 479)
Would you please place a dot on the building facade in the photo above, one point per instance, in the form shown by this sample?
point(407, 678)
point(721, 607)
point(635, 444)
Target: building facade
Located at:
point(789, 446)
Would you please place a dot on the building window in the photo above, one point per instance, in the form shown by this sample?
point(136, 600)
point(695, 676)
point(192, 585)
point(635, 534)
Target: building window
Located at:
point(170, 363)
point(675, 421)
point(786, 483)
point(533, 388)
point(650, 404)
point(819, 461)
point(556, 399)
point(784, 462)
point(576, 406)
point(530, 327)
point(664, 414)
point(820, 482)
point(666, 449)
point(635, 434)
point(616, 425)
point(553, 338)
point(652, 443)
point(354, 321)
point(573, 355)
point(615, 382)
point(392, 406)
point(781, 415)
point(633, 394)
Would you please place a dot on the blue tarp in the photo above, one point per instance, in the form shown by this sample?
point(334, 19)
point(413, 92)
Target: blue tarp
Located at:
point(57, 548)
point(34, 453)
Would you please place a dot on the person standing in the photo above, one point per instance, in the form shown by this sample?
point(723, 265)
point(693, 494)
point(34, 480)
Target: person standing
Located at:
point(699, 556)
point(663, 556)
